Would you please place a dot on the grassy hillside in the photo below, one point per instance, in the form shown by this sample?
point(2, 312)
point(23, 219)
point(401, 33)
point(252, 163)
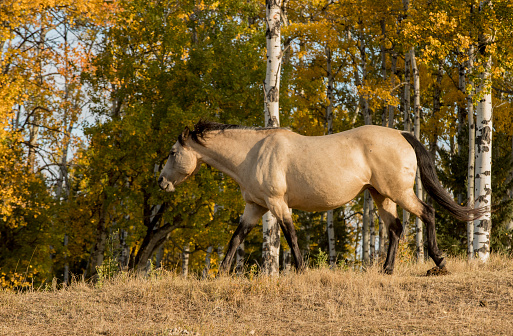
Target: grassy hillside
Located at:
point(474, 299)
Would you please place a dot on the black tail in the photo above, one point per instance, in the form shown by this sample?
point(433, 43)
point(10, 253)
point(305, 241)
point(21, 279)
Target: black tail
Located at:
point(433, 186)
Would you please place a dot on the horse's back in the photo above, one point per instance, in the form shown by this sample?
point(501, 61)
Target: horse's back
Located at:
point(327, 171)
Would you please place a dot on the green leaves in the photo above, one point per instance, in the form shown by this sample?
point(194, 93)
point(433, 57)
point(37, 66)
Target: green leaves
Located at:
point(140, 71)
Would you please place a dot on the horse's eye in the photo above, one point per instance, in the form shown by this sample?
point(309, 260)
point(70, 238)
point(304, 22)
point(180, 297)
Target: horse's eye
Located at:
point(172, 153)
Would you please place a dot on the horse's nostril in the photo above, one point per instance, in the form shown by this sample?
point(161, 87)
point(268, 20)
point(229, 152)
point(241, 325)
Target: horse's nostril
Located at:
point(160, 179)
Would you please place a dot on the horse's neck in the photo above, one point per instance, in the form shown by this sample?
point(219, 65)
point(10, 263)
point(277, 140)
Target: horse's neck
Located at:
point(227, 150)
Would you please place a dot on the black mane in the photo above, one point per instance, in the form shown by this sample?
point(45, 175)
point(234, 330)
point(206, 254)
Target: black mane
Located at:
point(203, 127)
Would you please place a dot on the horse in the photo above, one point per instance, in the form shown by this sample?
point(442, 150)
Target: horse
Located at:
point(278, 169)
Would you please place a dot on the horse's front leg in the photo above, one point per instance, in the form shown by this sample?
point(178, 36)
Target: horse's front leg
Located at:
point(281, 211)
point(250, 218)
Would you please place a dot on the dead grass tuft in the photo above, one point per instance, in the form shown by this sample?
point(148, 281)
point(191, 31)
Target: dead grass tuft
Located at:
point(474, 298)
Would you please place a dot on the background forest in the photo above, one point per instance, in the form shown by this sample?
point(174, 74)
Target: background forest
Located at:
point(94, 93)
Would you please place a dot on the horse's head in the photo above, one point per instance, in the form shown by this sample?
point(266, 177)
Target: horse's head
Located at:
point(181, 163)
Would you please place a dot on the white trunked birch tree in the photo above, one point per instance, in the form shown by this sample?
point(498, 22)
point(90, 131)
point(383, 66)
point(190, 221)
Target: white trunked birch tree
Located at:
point(406, 126)
point(363, 104)
point(483, 176)
point(271, 229)
point(416, 128)
point(185, 260)
point(471, 155)
point(332, 252)
point(483, 164)
point(406, 111)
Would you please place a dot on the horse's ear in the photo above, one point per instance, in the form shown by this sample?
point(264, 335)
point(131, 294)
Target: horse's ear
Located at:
point(185, 134)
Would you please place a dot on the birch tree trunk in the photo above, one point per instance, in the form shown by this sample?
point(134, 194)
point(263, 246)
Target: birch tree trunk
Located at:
point(391, 108)
point(97, 253)
point(372, 233)
point(220, 252)
point(185, 260)
point(206, 269)
point(368, 226)
point(33, 135)
point(367, 200)
point(385, 121)
point(365, 230)
point(34, 128)
point(383, 234)
point(357, 239)
point(287, 261)
point(384, 116)
point(509, 226)
point(437, 91)
point(63, 168)
point(471, 157)
point(274, 55)
point(416, 119)
point(483, 168)
point(381, 239)
point(271, 230)
point(461, 110)
point(406, 101)
point(329, 122)
point(124, 253)
point(306, 251)
point(65, 278)
point(406, 125)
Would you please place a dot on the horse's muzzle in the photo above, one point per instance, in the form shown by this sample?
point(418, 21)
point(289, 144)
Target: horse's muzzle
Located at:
point(164, 184)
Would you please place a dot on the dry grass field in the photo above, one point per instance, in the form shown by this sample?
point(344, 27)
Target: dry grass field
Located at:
point(474, 299)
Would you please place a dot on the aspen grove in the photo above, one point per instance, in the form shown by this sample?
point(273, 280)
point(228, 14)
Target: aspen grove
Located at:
point(94, 93)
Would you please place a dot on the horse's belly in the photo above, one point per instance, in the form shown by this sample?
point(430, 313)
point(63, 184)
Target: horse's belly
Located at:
point(323, 197)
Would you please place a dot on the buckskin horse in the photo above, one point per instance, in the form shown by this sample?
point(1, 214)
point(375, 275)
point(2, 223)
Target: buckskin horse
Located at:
point(278, 169)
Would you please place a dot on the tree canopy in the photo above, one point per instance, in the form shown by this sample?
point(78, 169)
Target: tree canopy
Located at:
point(94, 93)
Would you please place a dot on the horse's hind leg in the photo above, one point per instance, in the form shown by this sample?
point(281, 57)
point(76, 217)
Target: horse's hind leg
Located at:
point(287, 226)
point(388, 212)
point(250, 218)
point(281, 211)
point(410, 202)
